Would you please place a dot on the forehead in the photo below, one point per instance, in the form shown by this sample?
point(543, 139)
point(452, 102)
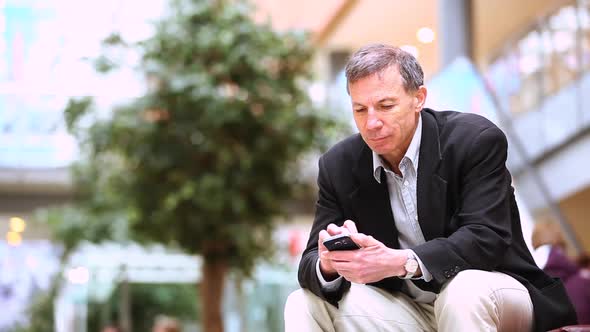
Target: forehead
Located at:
point(386, 83)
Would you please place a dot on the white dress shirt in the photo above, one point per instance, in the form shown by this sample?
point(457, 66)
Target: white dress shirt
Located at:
point(402, 196)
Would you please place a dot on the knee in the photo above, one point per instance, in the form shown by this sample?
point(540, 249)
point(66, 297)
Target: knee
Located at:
point(297, 300)
point(481, 289)
point(469, 284)
point(468, 289)
point(294, 300)
point(486, 297)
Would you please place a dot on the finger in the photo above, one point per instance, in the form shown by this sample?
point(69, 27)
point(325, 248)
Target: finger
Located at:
point(344, 269)
point(326, 255)
point(341, 265)
point(321, 237)
point(333, 229)
point(340, 255)
point(364, 240)
point(351, 226)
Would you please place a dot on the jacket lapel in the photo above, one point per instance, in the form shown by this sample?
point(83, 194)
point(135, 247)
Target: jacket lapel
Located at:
point(370, 202)
point(431, 188)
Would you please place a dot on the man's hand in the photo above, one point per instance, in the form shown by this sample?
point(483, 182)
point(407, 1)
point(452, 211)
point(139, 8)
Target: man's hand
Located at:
point(326, 268)
point(373, 262)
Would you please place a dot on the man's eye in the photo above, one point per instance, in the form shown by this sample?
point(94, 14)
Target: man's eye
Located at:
point(359, 110)
point(387, 106)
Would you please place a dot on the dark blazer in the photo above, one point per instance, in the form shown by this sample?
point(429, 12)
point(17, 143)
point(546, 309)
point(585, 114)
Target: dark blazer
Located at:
point(466, 209)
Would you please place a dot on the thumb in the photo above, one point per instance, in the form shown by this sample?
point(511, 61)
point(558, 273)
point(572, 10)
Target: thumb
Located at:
point(364, 240)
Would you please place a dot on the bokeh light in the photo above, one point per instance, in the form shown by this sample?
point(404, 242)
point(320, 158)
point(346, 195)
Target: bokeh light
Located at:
point(78, 275)
point(17, 224)
point(425, 35)
point(13, 238)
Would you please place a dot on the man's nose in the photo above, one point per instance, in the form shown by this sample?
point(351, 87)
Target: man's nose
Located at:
point(373, 121)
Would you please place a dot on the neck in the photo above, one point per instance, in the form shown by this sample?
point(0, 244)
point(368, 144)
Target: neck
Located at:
point(393, 159)
point(392, 162)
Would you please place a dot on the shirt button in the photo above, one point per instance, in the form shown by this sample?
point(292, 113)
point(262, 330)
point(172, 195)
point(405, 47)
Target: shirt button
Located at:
point(416, 218)
point(406, 183)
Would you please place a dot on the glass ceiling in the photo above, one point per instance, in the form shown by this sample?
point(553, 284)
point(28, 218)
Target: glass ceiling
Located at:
point(43, 47)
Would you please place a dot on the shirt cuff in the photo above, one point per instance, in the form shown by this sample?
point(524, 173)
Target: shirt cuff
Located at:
point(327, 285)
point(426, 276)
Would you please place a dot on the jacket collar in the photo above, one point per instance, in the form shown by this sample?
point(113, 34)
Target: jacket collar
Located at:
point(430, 154)
point(431, 189)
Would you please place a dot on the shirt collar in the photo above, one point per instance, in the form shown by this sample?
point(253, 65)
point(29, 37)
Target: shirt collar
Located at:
point(412, 153)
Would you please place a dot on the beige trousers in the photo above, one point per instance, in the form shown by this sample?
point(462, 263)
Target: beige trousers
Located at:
point(472, 301)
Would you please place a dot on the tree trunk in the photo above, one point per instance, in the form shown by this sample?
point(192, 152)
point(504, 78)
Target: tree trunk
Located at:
point(214, 271)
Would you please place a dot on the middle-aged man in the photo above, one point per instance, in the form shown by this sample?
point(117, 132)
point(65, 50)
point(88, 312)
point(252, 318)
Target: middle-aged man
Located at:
point(428, 198)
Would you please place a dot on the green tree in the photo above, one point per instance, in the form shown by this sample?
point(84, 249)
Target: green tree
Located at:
point(207, 158)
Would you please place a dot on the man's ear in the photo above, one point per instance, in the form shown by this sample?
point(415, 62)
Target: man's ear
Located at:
point(420, 97)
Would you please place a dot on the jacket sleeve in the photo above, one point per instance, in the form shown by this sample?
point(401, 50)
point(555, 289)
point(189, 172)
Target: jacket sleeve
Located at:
point(481, 225)
point(327, 211)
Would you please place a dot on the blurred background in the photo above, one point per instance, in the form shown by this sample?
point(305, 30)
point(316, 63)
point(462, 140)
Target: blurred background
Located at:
point(158, 158)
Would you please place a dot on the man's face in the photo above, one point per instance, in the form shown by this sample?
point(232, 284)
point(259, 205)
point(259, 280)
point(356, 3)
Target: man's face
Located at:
point(385, 114)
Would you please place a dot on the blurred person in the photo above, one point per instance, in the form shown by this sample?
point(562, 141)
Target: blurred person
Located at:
point(578, 287)
point(550, 251)
point(166, 324)
point(550, 254)
point(428, 199)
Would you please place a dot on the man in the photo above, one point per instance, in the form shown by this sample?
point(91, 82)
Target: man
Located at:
point(428, 198)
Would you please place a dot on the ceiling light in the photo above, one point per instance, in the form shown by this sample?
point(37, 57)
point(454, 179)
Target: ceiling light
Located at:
point(425, 35)
point(17, 224)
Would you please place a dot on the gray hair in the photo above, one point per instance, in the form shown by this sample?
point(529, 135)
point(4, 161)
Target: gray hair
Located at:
point(375, 58)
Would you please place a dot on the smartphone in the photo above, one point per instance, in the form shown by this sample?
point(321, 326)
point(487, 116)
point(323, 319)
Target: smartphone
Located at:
point(340, 242)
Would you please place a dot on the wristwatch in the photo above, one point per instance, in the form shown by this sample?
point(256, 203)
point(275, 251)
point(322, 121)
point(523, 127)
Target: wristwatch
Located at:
point(411, 266)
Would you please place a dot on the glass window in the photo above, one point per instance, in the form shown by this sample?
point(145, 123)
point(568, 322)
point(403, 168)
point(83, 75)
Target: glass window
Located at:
point(545, 60)
point(42, 65)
